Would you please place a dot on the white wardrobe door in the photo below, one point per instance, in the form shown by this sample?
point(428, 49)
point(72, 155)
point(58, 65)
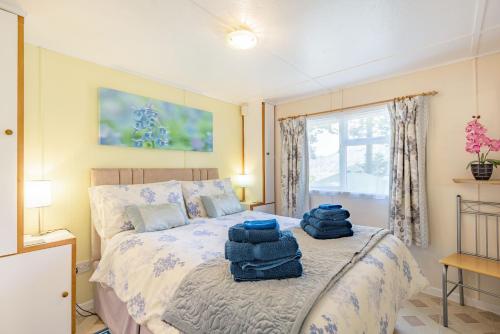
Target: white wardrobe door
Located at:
point(31, 287)
point(8, 143)
point(269, 152)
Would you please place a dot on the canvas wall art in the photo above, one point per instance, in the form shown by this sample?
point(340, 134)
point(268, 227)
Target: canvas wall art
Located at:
point(136, 121)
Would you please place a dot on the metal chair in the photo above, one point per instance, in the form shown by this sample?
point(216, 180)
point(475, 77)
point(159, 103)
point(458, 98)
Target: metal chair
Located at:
point(480, 260)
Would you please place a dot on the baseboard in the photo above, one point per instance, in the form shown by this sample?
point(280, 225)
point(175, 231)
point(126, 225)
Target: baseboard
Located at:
point(88, 305)
point(468, 301)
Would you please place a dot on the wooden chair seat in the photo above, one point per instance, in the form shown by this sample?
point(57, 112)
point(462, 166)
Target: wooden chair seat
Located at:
point(473, 263)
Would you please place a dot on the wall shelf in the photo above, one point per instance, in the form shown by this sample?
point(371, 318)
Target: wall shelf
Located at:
point(491, 181)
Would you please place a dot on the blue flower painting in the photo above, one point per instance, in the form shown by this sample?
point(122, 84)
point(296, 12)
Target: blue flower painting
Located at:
point(136, 121)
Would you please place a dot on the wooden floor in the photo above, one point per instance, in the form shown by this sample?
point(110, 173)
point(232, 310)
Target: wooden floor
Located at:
point(420, 315)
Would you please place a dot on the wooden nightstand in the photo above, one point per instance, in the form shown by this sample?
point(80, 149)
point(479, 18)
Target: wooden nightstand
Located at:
point(258, 206)
point(38, 285)
point(246, 205)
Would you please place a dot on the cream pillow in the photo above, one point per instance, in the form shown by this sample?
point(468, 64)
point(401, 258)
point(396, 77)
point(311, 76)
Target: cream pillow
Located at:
point(193, 190)
point(108, 203)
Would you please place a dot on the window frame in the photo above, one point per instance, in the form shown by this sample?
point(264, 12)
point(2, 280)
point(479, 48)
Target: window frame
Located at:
point(344, 142)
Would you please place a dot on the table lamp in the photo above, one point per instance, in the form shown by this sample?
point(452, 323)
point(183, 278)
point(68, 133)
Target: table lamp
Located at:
point(38, 194)
point(243, 181)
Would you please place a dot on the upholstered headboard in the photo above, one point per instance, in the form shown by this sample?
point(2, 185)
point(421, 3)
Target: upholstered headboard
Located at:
point(104, 176)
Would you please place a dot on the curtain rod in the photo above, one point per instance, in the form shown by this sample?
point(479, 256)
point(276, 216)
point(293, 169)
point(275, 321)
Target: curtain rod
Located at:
point(431, 93)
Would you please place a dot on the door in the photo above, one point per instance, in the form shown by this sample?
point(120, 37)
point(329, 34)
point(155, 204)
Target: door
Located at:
point(269, 152)
point(31, 292)
point(8, 133)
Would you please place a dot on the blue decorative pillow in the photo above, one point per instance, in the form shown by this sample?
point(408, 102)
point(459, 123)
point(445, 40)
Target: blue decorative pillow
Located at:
point(221, 205)
point(150, 218)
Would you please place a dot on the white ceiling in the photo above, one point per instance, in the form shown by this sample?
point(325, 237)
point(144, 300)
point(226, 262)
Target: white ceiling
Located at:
point(305, 47)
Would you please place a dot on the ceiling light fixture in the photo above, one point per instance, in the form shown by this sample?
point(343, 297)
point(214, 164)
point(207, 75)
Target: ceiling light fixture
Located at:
point(241, 39)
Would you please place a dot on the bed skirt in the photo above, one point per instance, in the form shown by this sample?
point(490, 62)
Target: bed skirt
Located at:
point(113, 312)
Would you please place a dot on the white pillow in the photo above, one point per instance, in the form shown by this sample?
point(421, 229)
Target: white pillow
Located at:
point(108, 203)
point(193, 190)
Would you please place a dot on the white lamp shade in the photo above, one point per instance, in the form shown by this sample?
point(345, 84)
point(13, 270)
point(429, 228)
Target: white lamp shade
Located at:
point(37, 194)
point(243, 180)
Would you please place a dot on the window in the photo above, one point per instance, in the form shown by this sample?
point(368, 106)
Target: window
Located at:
point(349, 152)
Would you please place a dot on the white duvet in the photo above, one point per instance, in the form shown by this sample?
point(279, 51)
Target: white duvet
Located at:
point(145, 269)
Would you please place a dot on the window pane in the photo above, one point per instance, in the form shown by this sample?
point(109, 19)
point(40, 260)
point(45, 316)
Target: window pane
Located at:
point(368, 169)
point(323, 136)
point(380, 159)
point(380, 168)
point(350, 152)
point(357, 128)
point(356, 168)
point(381, 124)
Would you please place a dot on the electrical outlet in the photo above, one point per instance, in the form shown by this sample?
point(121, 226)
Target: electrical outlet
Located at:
point(82, 267)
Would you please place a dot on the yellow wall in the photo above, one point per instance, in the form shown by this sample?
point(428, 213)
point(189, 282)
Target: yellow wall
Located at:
point(446, 158)
point(61, 141)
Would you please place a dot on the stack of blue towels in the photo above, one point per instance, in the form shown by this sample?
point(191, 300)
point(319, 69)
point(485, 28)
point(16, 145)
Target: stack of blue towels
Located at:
point(258, 250)
point(328, 221)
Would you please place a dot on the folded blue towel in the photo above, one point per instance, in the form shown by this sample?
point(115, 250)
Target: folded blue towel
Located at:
point(266, 265)
point(289, 269)
point(260, 224)
point(333, 234)
point(244, 251)
point(326, 229)
point(330, 206)
point(333, 214)
point(326, 224)
point(238, 233)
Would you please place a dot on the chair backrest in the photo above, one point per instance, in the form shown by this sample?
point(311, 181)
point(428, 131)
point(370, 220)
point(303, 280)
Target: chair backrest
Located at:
point(483, 218)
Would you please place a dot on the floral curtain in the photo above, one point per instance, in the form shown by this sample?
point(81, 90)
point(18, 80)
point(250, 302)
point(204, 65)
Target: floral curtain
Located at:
point(408, 218)
point(294, 167)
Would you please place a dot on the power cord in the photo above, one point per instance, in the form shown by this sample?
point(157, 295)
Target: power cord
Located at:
point(88, 313)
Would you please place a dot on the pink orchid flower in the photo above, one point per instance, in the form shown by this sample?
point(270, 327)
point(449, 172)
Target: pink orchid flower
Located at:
point(476, 138)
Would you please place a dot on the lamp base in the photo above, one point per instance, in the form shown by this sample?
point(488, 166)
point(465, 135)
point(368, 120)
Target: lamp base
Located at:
point(40, 222)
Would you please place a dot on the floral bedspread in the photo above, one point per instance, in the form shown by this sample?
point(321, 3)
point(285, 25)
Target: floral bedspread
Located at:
point(145, 269)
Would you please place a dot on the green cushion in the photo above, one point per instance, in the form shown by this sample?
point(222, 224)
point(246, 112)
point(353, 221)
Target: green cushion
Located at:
point(149, 218)
point(221, 205)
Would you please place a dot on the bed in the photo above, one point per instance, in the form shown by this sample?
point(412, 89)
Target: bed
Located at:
point(137, 273)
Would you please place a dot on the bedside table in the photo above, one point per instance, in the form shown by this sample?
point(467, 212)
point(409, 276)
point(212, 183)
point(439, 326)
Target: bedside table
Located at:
point(247, 205)
point(39, 284)
point(48, 238)
point(258, 206)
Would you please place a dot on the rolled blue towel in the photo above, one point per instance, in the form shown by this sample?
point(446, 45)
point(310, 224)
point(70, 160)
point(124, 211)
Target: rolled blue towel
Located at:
point(333, 214)
point(265, 251)
point(238, 233)
point(290, 269)
point(326, 224)
point(265, 265)
point(260, 224)
point(330, 206)
point(333, 234)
